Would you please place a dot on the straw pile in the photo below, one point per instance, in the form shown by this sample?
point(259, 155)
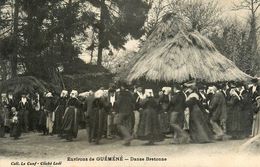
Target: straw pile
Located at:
point(23, 84)
point(173, 53)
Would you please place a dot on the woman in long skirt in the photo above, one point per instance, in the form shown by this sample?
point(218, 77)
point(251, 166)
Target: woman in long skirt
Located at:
point(2, 127)
point(247, 107)
point(149, 126)
point(97, 121)
point(234, 124)
point(256, 123)
point(71, 117)
point(164, 117)
point(15, 130)
point(199, 129)
point(59, 111)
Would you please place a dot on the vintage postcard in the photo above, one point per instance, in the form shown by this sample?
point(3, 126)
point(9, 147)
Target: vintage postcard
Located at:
point(91, 83)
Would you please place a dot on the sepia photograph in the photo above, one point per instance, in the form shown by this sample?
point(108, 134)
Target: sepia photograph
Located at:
point(129, 83)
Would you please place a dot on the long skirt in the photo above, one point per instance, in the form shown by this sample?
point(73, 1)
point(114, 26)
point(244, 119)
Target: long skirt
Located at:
point(199, 129)
point(2, 128)
point(2, 131)
point(15, 130)
point(149, 126)
point(43, 121)
point(164, 120)
point(58, 118)
point(256, 124)
point(70, 123)
point(234, 123)
point(96, 125)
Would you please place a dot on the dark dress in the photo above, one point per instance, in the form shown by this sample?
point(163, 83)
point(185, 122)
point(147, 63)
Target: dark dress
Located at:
point(15, 130)
point(71, 119)
point(247, 108)
point(42, 121)
point(149, 127)
point(200, 131)
point(2, 127)
point(97, 120)
point(59, 112)
point(164, 117)
point(125, 118)
point(24, 109)
point(234, 124)
point(218, 108)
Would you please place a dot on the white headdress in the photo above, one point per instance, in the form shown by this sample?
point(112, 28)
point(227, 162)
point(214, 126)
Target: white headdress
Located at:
point(64, 93)
point(49, 94)
point(99, 94)
point(74, 94)
point(3, 95)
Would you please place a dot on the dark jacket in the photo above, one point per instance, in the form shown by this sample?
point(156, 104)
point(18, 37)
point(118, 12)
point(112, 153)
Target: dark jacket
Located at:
point(177, 103)
point(218, 107)
point(125, 102)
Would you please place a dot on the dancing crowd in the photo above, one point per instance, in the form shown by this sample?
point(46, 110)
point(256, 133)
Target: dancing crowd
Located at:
point(188, 113)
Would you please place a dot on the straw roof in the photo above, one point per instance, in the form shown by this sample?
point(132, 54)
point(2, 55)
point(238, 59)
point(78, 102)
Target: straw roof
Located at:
point(23, 84)
point(172, 53)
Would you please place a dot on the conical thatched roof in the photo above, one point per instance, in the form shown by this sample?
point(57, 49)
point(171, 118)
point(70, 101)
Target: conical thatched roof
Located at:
point(24, 84)
point(172, 53)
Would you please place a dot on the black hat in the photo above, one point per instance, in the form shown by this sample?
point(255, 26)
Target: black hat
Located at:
point(190, 84)
point(123, 84)
point(177, 86)
point(254, 80)
point(201, 86)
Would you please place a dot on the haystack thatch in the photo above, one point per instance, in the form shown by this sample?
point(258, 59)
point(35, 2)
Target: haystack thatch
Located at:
point(172, 53)
point(23, 84)
point(83, 77)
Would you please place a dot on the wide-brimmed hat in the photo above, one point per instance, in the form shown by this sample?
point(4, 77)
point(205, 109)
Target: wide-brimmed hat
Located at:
point(254, 80)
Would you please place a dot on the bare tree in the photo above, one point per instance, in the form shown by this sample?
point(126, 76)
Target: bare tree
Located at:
point(253, 7)
point(200, 15)
point(159, 8)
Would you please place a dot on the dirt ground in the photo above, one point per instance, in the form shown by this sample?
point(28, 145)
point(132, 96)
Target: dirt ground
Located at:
point(34, 146)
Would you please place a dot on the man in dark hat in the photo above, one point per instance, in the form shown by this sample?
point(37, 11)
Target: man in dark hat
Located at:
point(218, 112)
point(125, 107)
point(254, 90)
point(176, 109)
point(24, 108)
point(111, 99)
point(139, 96)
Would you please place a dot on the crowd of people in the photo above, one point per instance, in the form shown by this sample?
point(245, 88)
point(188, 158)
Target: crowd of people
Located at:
point(188, 113)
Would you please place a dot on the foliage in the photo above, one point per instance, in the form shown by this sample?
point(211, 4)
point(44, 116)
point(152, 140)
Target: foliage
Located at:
point(117, 20)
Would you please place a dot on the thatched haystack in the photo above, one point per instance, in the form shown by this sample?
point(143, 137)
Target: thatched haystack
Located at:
point(24, 84)
point(173, 53)
point(83, 77)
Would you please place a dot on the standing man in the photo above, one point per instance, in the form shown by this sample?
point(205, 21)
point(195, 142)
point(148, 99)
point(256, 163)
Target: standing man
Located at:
point(254, 90)
point(111, 112)
point(218, 112)
point(4, 114)
point(176, 110)
point(49, 110)
point(23, 108)
point(139, 96)
point(125, 107)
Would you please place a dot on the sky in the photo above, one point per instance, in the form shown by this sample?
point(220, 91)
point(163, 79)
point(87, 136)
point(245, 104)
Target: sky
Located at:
point(227, 7)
